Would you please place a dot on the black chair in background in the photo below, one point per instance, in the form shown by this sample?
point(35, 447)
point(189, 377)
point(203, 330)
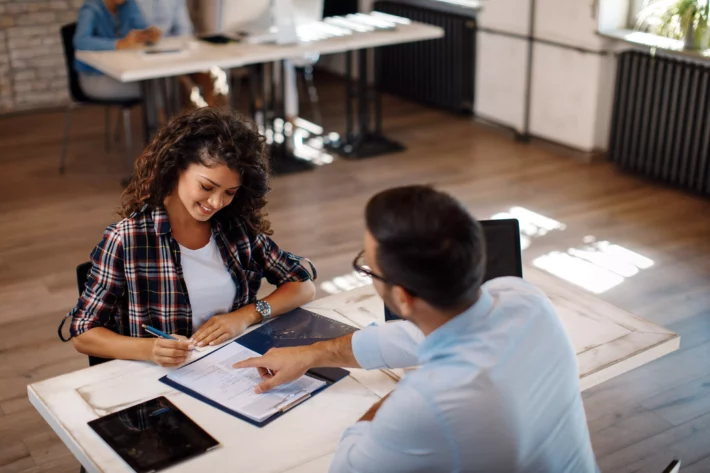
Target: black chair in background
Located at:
point(673, 467)
point(78, 97)
point(82, 274)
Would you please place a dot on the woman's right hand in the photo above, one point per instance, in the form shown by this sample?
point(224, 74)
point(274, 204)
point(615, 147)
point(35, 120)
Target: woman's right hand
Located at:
point(171, 353)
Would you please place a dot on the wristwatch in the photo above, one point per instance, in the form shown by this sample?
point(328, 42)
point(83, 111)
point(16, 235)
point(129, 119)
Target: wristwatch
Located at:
point(264, 309)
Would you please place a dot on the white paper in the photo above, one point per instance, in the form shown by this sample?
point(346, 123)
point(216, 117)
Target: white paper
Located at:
point(213, 377)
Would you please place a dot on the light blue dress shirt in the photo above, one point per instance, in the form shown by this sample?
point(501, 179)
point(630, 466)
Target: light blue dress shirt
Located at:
point(497, 391)
point(171, 16)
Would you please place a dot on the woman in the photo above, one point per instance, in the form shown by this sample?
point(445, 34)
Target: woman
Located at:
point(189, 255)
point(105, 25)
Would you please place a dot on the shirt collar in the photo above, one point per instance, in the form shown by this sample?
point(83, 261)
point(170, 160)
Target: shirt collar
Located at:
point(160, 220)
point(162, 223)
point(464, 323)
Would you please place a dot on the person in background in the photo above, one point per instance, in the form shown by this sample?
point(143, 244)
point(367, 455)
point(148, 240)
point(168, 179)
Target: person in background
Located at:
point(104, 25)
point(170, 16)
point(173, 19)
point(193, 246)
point(497, 389)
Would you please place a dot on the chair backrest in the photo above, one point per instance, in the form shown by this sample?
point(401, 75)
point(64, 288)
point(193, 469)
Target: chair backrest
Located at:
point(82, 275)
point(673, 467)
point(67, 32)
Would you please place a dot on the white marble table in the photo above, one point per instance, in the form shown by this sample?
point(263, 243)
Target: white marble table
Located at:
point(197, 56)
point(609, 342)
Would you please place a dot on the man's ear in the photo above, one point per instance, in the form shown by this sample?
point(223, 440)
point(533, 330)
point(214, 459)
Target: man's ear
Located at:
point(404, 301)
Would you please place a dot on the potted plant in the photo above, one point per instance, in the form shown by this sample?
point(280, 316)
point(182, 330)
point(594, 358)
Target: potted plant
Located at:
point(685, 20)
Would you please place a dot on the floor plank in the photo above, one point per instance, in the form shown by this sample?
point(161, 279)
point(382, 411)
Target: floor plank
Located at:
point(683, 403)
point(689, 442)
point(624, 426)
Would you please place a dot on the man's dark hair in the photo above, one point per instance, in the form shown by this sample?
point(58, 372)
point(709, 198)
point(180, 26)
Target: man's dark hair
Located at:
point(428, 244)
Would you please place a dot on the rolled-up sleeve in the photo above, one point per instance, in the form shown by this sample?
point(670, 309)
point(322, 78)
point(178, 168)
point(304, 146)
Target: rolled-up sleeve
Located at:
point(281, 266)
point(392, 345)
point(396, 441)
point(104, 286)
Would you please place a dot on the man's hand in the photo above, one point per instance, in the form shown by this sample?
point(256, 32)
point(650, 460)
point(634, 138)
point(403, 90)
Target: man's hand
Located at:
point(220, 328)
point(134, 39)
point(169, 353)
point(370, 414)
point(279, 366)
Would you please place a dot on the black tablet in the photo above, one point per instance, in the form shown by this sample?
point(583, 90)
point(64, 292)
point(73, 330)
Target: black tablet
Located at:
point(153, 435)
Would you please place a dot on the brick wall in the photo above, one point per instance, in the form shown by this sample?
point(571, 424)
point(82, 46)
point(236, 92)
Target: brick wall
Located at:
point(32, 70)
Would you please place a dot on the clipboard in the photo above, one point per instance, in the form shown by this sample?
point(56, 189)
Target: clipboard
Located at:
point(296, 328)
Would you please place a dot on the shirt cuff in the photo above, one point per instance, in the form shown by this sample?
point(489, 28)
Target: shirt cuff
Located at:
point(366, 348)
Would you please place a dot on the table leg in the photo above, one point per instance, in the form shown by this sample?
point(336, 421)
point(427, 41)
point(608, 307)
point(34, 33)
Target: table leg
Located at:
point(283, 160)
point(177, 98)
point(165, 85)
point(148, 103)
point(349, 94)
point(368, 140)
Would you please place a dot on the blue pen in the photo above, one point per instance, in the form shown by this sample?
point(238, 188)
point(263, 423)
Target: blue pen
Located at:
point(157, 333)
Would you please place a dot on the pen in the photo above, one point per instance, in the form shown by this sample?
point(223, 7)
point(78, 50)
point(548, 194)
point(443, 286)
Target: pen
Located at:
point(157, 333)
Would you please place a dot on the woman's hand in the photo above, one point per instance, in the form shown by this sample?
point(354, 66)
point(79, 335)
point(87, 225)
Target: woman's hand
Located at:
point(221, 328)
point(170, 353)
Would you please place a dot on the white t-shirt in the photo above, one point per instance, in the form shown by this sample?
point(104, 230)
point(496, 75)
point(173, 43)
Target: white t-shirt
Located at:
point(208, 282)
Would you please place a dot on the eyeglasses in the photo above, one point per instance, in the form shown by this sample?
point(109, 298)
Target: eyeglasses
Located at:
point(361, 268)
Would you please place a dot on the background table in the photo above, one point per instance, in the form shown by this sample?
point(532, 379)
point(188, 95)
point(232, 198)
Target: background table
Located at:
point(365, 140)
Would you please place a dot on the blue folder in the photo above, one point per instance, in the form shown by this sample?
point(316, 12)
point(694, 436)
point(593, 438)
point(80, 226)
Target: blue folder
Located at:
point(296, 328)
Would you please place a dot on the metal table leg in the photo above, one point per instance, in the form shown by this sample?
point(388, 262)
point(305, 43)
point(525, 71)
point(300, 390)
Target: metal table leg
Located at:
point(367, 141)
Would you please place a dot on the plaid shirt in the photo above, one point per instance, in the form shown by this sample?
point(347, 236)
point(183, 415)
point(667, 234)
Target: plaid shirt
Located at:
point(136, 277)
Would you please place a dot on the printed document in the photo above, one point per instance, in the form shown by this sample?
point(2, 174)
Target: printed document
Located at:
point(213, 377)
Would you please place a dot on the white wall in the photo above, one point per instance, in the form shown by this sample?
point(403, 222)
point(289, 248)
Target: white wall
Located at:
point(510, 16)
point(500, 79)
point(571, 89)
point(565, 93)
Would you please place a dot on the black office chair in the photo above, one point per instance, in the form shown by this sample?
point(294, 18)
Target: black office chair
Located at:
point(82, 273)
point(80, 98)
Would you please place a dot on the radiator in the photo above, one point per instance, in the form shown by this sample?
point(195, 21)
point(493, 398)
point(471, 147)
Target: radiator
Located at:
point(438, 72)
point(661, 120)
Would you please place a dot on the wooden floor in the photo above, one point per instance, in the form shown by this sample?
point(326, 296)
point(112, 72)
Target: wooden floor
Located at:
point(639, 421)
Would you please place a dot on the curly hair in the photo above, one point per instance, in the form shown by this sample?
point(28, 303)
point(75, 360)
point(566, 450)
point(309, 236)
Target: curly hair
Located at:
point(206, 136)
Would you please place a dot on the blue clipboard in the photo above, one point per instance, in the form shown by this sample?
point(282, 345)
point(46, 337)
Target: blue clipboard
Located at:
point(296, 328)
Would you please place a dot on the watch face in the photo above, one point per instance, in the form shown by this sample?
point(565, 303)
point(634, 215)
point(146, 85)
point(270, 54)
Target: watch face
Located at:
point(263, 308)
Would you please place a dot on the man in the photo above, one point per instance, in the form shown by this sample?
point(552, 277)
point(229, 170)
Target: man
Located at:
point(497, 387)
point(172, 17)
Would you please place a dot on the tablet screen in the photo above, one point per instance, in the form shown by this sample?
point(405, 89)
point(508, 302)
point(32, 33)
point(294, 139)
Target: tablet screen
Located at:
point(153, 435)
